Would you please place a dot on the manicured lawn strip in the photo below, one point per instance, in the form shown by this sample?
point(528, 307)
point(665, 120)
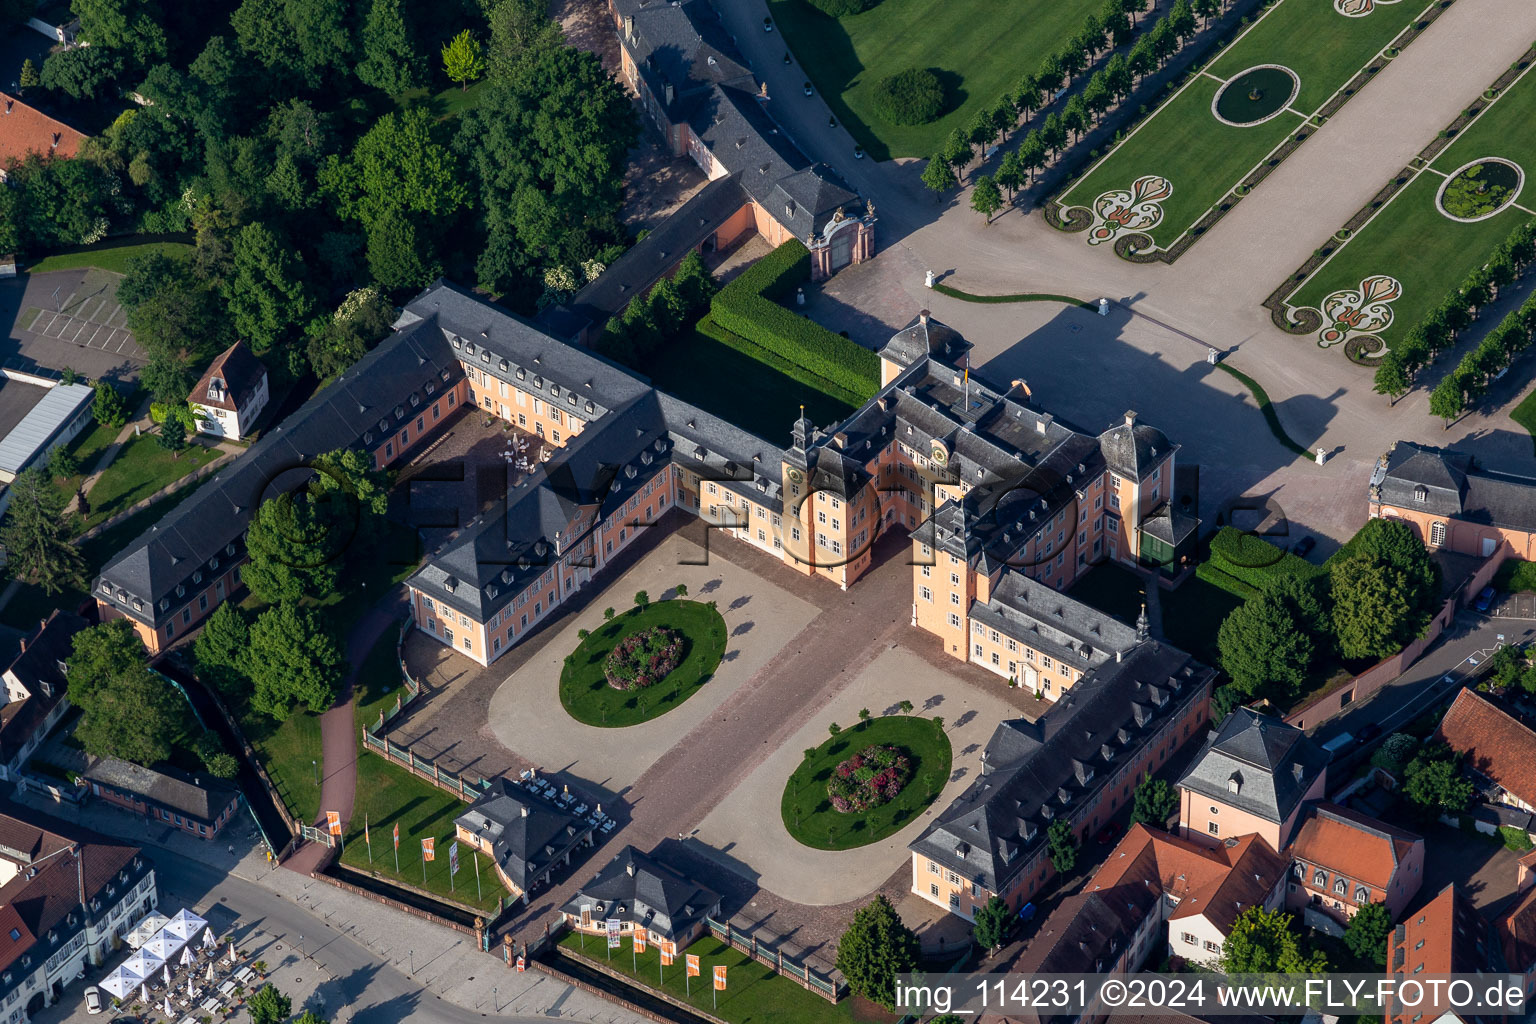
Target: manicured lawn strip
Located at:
point(378, 682)
point(111, 256)
point(846, 58)
point(1525, 415)
point(1411, 240)
point(448, 103)
point(808, 812)
point(141, 469)
point(584, 690)
point(87, 448)
point(692, 365)
point(956, 293)
point(754, 993)
point(1502, 129)
point(1323, 47)
point(1267, 408)
point(290, 752)
point(386, 794)
point(1203, 158)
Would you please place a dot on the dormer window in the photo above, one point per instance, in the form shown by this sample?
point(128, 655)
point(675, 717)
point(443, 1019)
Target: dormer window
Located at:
point(1362, 894)
point(1421, 494)
point(216, 390)
point(1341, 887)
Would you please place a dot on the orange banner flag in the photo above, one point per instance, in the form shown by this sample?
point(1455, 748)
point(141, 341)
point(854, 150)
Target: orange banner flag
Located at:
point(639, 939)
point(428, 849)
point(667, 954)
point(720, 977)
point(333, 819)
point(692, 960)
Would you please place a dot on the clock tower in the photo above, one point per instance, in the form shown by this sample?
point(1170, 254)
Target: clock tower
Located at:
point(797, 535)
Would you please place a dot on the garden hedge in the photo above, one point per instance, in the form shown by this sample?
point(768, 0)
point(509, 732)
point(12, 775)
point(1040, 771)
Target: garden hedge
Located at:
point(1208, 572)
point(749, 306)
point(709, 329)
point(1253, 560)
point(842, 8)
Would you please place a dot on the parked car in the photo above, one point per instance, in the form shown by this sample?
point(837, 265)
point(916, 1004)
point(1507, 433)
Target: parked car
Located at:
point(93, 1000)
point(1027, 913)
point(767, 24)
point(1485, 599)
point(1368, 732)
point(1304, 546)
point(1107, 835)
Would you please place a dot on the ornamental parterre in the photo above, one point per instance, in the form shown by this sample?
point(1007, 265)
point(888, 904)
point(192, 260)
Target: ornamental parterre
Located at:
point(869, 778)
point(643, 659)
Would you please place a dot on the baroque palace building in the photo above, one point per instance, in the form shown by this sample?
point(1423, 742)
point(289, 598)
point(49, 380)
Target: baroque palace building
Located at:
point(1005, 504)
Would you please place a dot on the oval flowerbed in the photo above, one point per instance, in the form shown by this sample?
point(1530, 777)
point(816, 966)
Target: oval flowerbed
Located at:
point(643, 663)
point(909, 756)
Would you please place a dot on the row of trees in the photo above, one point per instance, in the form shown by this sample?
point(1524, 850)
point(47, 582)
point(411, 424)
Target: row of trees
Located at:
point(1469, 381)
point(1376, 597)
point(674, 303)
point(1438, 328)
point(1110, 28)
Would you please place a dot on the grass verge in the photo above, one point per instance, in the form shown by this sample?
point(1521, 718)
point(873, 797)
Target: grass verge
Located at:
point(808, 812)
point(1525, 415)
point(388, 795)
point(141, 468)
point(956, 293)
point(1267, 408)
point(378, 683)
point(109, 256)
point(290, 752)
point(584, 689)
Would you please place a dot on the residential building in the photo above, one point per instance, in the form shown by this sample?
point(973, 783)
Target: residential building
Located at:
point(1342, 860)
point(1253, 776)
point(27, 131)
point(527, 838)
point(68, 895)
point(198, 805)
point(1078, 764)
point(1203, 889)
point(1516, 928)
point(1446, 936)
point(231, 394)
point(1452, 504)
point(643, 894)
point(1498, 750)
point(35, 685)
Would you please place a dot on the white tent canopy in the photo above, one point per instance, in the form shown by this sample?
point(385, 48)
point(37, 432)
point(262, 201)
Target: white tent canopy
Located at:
point(148, 927)
point(120, 983)
point(185, 925)
point(143, 963)
point(164, 945)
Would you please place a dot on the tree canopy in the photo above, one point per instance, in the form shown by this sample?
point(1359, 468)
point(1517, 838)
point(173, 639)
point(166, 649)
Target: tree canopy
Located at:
point(1263, 941)
point(294, 662)
point(1366, 935)
point(127, 711)
point(875, 948)
point(1154, 802)
point(37, 535)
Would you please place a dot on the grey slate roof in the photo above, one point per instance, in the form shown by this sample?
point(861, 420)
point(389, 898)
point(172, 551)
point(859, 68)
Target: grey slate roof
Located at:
point(682, 45)
point(1085, 934)
point(1134, 449)
point(1036, 772)
point(640, 889)
point(202, 798)
point(1270, 764)
point(42, 424)
point(153, 577)
point(527, 833)
point(924, 336)
point(1449, 483)
point(1070, 631)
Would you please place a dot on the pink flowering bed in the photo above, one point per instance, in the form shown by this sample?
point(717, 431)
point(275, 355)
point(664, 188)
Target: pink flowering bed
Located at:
point(644, 658)
point(869, 778)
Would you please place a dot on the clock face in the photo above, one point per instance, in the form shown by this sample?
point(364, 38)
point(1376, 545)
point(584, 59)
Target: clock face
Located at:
point(939, 454)
point(795, 476)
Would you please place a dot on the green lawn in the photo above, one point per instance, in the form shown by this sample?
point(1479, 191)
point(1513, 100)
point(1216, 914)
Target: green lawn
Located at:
point(1410, 240)
point(1192, 613)
point(691, 366)
point(111, 256)
point(584, 689)
point(1525, 415)
point(1205, 159)
point(448, 103)
point(387, 794)
point(979, 48)
point(141, 468)
point(1201, 157)
point(808, 812)
point(754, 993)
point(87, 448)
point(290, 752)
point(1112, 589)
point(378, 682)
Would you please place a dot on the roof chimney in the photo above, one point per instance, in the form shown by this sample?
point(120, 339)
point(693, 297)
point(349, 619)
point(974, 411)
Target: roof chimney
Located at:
point(629, 869)
point(923, 315)
point(9, 103)
point(1130, 418)
point(524, 810)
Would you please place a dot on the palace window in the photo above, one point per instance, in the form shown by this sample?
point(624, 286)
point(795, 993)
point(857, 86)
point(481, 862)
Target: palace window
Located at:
point(1436, 534)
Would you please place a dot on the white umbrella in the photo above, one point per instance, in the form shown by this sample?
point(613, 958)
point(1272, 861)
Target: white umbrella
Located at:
point(190, 989)
point(119, 983)
point(167, 976)
point(209, 976)
point(231, 950)
point(165, 944)
point(144, 992)
point(209, 941)
point(185, 925)
point(168, 1011)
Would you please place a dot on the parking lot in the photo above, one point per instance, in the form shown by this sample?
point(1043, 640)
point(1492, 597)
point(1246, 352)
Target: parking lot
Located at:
point(67, 318)
point(89, 316)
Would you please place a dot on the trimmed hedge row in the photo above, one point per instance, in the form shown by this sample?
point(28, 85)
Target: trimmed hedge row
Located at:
point(1208, 572)
point(1253, 560)
point(749, 306)
point(715, 332)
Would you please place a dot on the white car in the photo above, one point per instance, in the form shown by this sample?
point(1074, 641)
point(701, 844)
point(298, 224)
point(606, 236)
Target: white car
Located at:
point(93, 1000)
